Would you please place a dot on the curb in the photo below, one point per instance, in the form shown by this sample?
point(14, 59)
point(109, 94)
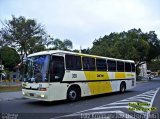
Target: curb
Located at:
point(10, 85)
point(10, 99)
point(141, 82)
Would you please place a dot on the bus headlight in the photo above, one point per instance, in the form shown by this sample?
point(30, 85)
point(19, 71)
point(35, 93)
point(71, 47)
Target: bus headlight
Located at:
point(42, 95)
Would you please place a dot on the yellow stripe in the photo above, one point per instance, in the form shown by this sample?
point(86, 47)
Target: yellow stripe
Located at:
point(130, 75)
point(98, 87)
point(120, 75)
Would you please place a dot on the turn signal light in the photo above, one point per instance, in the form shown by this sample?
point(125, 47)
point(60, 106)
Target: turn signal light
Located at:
point(42, 89)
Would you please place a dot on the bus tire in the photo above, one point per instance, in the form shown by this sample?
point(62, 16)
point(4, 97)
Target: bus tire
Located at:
point(122, 87)
point(72, 94)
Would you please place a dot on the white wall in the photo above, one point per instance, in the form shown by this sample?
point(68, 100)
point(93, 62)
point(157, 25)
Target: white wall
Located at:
point(143, 70)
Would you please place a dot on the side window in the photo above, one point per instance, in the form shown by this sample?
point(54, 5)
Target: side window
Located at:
point(56, 68)
point(88, 63)
point(73, 62)
point(133, 67)
point(127, 67)
point(120, 66)
point(111, 65)
point(101, 65)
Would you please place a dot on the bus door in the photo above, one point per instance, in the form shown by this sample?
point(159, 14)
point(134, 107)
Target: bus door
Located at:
point(56, 68)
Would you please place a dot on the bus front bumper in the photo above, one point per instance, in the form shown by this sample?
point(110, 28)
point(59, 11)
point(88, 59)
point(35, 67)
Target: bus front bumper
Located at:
point(38, 95)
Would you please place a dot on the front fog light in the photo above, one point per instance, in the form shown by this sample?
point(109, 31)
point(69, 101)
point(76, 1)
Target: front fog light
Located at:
point(23, 93)
point(42, 95)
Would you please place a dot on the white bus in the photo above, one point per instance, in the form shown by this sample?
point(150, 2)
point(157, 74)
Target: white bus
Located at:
point(58, 75)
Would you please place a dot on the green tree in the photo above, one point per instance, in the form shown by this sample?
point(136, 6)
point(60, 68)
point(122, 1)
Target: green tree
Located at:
point(133, 44)
point(23, 34)
point(154, 43)
point(154, 65)
point(9, 57)
point(85, 51)
point(2, 40)
point(76, 51)
point(67, 44)
point(61, 45)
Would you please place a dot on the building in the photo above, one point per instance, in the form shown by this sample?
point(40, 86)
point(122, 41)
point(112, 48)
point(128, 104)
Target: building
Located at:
point(1, 67)
point(143, 70)
point(2, 75)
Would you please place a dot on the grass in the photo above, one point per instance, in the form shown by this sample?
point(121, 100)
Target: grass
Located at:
point(10, 88)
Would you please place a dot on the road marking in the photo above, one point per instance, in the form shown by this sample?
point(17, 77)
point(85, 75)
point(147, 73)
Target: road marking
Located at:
point(102, 108)
point(143, 98)
point(152, 103)
point(121, 104)
point(139, 100)
point(148, 96)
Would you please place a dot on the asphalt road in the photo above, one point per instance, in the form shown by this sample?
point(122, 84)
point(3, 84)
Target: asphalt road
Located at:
point(115, 105)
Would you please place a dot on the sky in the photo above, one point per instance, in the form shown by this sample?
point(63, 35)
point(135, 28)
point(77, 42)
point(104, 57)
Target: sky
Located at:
point(83, 21)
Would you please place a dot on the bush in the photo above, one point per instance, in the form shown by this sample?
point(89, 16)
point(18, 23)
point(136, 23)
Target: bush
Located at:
point(138, 78)
point(137, 71)
point(158, 72)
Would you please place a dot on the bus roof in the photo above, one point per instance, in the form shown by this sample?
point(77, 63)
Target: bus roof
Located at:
point(49, 52)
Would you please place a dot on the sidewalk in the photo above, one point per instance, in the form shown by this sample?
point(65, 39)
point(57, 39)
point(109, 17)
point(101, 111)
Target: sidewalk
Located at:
point(147, 80)
point(10, 95)
point(10, 83)
point(142, 81)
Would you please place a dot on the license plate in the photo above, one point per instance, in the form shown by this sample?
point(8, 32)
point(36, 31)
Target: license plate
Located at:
point(31, 94)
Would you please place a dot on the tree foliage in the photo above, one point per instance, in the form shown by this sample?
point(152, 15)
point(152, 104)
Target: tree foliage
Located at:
point(85, 51)
point(133, 44)
point(154, 65)
point(61, 45)
point(9, 57)
point(23, 34)
point(2, 41)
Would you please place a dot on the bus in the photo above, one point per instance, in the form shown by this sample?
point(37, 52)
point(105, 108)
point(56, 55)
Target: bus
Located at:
point(58, 75)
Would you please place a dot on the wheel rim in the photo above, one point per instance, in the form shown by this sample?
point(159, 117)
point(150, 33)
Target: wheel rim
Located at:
point(122, 88)
point(73, 95)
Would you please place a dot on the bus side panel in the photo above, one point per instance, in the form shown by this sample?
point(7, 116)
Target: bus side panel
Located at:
point(85, 91)
point(57, 91)
point(88, 81)
point(79, 78)
point(131, 83)
point(74, 76)
point(95, 86)
point(89, 84)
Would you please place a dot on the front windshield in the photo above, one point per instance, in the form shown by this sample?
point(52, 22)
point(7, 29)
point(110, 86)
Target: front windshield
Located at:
point(36, 69)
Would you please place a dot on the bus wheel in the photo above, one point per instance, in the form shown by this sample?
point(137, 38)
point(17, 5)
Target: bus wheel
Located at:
point(72, 94)
point(122, 87)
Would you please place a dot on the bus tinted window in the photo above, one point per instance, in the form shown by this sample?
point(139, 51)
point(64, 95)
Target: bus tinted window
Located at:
point(101, 65)
point(133, 67)
point(127, 67)
point(73, 62)
point(120, 66)
point(88, 63)
point(56, 68)
point(111, 65)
